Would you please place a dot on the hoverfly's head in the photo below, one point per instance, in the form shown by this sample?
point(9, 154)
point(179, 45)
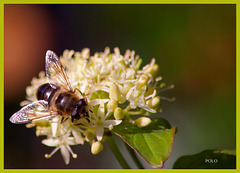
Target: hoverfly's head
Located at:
point(83, 102)
point(80, 110)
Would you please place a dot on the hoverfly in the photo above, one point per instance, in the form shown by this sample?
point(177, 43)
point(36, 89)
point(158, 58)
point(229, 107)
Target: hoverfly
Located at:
point(54, 98)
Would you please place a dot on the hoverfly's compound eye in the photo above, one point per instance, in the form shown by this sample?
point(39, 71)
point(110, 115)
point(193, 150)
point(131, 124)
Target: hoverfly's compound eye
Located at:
point(82, 102)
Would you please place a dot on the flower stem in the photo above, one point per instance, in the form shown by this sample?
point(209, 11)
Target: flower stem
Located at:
point(134, 157)
point(117, 153)
point(135, 112)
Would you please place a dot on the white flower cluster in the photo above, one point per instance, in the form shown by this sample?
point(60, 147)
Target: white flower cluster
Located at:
point(116, 89)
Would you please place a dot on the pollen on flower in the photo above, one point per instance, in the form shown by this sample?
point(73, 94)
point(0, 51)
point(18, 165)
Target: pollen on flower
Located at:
point(74, 156)
point(116, 89)
point(47, 156)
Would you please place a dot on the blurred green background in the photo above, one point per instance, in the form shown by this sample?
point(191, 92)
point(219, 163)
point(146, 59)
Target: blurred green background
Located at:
point(194, 45)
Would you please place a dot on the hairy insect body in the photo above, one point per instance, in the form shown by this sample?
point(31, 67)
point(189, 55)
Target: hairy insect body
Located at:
point(46, 92)
point(65, 102)
point(56, 98)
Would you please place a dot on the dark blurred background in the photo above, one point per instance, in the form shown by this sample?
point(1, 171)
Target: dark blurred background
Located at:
point(194, 45)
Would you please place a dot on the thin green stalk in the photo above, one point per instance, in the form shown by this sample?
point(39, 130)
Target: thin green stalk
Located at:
point(134, 157)
point(117, 153)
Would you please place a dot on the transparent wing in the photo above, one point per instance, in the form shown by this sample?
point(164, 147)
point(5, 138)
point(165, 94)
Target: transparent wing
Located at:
point(55, 72)
point(32, 112)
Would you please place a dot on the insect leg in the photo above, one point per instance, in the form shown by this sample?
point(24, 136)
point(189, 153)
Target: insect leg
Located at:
point(78, 91)
point(64, 119)
point(86, 115)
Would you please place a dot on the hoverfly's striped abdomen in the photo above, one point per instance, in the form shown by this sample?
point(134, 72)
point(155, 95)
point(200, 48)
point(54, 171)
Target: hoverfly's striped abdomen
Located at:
point(46, 92)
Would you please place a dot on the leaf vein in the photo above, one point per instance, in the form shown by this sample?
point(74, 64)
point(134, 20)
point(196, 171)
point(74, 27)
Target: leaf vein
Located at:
point(144, 137)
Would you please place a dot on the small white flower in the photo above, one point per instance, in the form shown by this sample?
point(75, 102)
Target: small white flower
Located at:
point(63, 143)
point(100, 122)
point(77, 134)
point(137, 99)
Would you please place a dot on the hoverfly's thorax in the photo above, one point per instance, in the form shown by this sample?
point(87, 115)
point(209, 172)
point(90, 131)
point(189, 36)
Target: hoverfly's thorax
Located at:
point(66, 102)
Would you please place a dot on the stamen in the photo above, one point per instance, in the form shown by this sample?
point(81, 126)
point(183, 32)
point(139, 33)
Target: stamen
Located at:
point(130, 92)
point(152, 61)
point(158, 78)
point(98, 79)
point(110, 127)
point(132, 58)
point(70, 150)
point(47, 156)
point(52, 153)
point(136, 58)
point(168, 99)
point(106, 52)
point(107, 114)
point(117, 51)
point(127, 54)
point(167, 88)
point(152, 95)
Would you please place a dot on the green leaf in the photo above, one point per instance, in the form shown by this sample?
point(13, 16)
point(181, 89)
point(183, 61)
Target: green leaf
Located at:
point(153, 142)
point(208, 159)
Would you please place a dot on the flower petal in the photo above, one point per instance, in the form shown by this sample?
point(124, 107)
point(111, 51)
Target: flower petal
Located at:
point(71, 141)
point(130, 92)
point(99, 133)
point(101, 111)
point(147, 108)
point(51, 142)
point(152, 95)
point(54, 125)
point(65, 154)
point(97, 101)
point(109, 123)
point(77, 135)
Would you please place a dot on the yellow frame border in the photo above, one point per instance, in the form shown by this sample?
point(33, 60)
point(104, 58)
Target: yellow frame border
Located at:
point(2, 2)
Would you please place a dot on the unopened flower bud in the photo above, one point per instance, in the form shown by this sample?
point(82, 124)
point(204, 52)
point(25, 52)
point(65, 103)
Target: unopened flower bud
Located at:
point(150, 91)
point(118, 113)
point(114, 92)
point(142, 81)
point(96, 147)
point(122, 99)
point(30, 125)
point(89, 136)
point(86, 53)
point(153, 69)
point(111, 105)
point(42, 123)
point(143, 121)
point(154, 102)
